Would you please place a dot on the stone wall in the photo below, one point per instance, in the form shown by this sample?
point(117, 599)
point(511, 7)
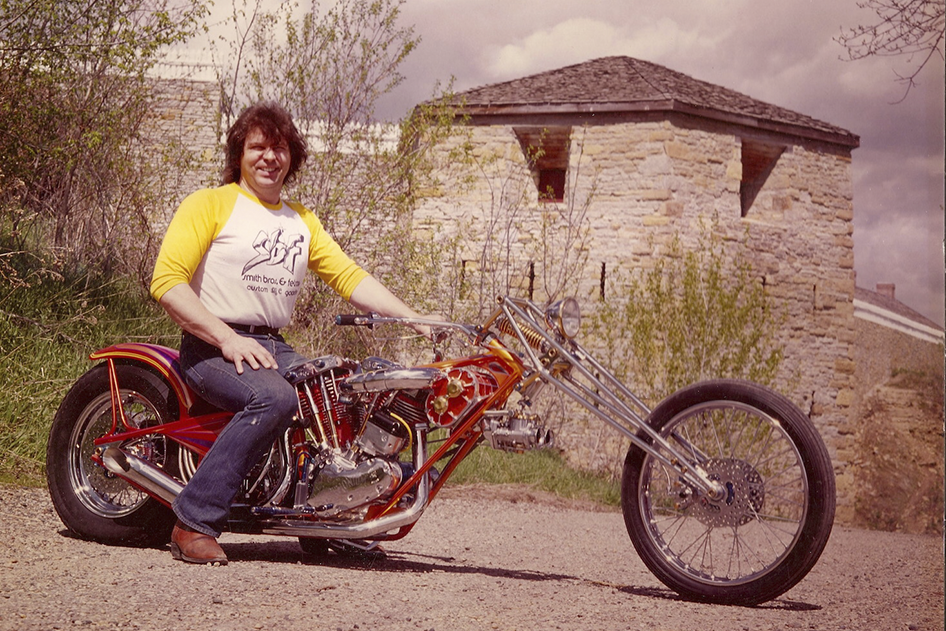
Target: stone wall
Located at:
point(654, 179)
point(898, 436)
point(183, 139)
point(882, 352)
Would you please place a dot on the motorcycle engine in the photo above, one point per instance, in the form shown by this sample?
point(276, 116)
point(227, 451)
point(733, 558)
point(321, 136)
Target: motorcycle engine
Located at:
point(367, 472)
point(382, 435)
point(321, 407)
point(357, 441)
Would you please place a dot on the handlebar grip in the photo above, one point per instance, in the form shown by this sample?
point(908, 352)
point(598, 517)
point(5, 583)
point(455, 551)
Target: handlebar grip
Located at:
point(351, 320)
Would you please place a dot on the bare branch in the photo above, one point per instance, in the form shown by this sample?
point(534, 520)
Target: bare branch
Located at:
point(911, 28)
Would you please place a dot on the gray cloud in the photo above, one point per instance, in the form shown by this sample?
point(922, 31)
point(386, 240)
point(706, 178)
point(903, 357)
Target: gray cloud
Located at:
point(776, 51)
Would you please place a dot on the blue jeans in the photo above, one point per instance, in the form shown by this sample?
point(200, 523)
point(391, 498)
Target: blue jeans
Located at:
point(264, 403)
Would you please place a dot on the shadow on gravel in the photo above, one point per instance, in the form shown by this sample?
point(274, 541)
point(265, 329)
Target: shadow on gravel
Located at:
point(666, 594)
point(409, 562)
point(68, 534)
point(788, 605)
point(397, 562)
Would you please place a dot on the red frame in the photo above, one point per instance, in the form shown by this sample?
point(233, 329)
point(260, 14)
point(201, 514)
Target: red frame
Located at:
point(198, 432)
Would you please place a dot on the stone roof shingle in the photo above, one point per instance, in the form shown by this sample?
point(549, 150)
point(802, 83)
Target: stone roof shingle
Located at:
point(625, 84)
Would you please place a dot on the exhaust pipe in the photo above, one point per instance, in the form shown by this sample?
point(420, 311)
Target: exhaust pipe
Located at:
point(142, 474)
point(156, 482)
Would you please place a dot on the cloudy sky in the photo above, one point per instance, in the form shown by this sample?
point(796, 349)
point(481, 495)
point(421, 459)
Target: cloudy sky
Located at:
point(776, 51)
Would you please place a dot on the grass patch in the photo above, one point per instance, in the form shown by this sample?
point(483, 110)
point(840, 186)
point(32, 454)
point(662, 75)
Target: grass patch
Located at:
point(49, 323)
point(542, 469)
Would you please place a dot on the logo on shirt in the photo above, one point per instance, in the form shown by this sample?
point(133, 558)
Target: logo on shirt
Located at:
point(276, 249)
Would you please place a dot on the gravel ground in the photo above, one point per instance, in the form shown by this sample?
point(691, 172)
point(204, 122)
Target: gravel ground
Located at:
point(477, 560)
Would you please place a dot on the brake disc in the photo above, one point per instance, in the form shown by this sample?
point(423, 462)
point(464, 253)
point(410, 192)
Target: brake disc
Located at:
point(743, 499)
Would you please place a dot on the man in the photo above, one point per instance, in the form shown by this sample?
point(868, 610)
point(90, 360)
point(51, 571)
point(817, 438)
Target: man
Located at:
point(228, 273)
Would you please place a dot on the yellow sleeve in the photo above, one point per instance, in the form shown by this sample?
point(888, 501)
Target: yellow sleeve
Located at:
point(196, 223)
point(327, 259)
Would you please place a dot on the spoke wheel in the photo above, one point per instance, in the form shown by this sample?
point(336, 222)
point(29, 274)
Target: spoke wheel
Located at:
point(774, 516)
point(100, 491)
point(92, 502)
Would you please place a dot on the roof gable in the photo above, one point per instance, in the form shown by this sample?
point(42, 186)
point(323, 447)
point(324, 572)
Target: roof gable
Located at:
point(893, 305)
point(890, 312)
point(625, 84)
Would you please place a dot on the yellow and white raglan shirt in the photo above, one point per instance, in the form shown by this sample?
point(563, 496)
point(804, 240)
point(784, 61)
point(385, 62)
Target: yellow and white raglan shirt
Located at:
point(246, 259)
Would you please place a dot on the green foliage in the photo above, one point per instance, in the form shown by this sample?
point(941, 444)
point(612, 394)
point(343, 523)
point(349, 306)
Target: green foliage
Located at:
point(73, 97)
point(697, 314)
point(49, 323)
point(542, 469)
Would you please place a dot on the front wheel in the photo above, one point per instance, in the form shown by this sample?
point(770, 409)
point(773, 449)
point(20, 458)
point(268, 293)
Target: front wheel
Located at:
point(772, 523)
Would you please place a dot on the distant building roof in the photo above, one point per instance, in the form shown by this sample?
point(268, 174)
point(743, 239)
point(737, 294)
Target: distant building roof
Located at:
point(882, 308)
point(624, 85)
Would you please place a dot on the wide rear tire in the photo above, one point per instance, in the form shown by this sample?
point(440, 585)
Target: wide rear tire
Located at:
point(774, 521)
point(92, 502)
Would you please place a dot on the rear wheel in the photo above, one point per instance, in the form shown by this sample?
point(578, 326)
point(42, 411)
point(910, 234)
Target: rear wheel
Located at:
point(774, 519)
point(92, 502)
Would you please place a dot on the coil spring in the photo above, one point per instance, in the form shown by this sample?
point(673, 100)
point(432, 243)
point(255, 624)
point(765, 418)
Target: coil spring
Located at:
point(535, 339)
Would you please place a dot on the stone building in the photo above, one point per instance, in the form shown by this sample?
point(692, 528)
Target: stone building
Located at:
point(642, 154)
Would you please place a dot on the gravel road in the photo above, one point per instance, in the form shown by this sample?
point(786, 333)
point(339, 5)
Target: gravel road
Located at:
point(476, 560)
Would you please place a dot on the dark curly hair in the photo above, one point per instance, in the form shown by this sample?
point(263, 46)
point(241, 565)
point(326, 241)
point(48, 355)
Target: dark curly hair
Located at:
point(276, 124)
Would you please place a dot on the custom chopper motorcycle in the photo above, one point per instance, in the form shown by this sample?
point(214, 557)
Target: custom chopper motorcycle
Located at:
point(727, 492)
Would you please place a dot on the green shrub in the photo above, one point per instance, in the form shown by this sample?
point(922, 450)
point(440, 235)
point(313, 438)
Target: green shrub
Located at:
point(699, 313)
point(49, 323)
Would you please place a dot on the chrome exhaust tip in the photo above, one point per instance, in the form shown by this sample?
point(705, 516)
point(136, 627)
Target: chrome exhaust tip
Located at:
point(141, 473)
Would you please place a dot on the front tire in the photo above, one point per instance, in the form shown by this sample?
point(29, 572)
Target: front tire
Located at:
point(773, 523)
point(92, 502)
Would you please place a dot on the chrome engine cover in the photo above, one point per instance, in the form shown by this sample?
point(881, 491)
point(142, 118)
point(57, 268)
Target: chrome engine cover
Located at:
point(517, 433)
point(342, 485)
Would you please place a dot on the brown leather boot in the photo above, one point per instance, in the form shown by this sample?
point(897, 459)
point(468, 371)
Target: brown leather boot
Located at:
point(195, 547)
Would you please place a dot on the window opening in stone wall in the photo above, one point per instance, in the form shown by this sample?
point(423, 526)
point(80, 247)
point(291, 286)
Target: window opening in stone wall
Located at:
point(531, 279)
point(758, 161)
point(546, 152)
point(604, 271)
point(552, 185)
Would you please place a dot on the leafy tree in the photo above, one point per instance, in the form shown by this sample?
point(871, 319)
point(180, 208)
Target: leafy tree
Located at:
point(914, 28)
point(699, 313)
point(73, 96)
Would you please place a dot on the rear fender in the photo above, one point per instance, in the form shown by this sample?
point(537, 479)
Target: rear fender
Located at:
point(160, 358)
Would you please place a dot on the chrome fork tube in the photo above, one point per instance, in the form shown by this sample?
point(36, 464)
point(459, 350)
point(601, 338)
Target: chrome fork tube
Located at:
point(610, 408)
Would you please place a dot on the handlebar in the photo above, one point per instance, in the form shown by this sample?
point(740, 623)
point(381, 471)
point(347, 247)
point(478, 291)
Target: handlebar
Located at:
point(355, 320)
point(371, 319)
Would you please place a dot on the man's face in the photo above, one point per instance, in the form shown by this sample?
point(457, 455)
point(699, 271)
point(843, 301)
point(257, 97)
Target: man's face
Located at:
point(264, 166)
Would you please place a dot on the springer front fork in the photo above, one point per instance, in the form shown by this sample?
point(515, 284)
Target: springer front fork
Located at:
point(599, 392)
